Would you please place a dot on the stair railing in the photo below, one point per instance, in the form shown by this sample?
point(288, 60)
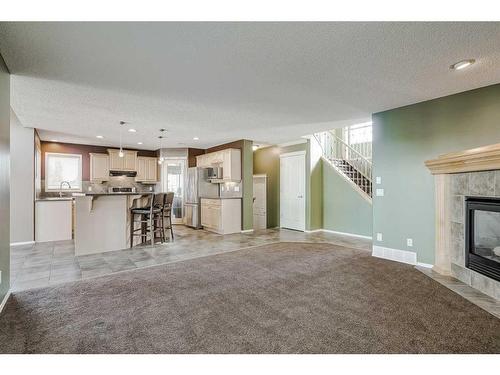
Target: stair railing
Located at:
point(335, 149)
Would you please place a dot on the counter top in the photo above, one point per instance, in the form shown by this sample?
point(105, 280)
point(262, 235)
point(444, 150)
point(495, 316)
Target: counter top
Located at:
point(90, 194)
point(54, 199)
point(221, 198)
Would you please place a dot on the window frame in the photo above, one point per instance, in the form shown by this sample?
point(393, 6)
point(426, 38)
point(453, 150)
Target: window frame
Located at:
point(80, 176)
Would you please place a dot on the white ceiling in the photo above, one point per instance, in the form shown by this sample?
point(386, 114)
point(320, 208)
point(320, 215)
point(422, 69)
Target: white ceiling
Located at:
point(269, 82)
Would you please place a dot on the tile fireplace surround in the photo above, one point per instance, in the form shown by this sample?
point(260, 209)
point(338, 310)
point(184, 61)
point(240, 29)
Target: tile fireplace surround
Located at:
point(474, 172)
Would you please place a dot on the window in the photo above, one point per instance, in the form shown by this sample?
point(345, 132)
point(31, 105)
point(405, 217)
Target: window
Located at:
point(63, 169)
point(360, 133)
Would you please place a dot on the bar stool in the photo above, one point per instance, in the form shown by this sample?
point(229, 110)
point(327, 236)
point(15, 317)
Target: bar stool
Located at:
point(149, 214)
point(167, 213)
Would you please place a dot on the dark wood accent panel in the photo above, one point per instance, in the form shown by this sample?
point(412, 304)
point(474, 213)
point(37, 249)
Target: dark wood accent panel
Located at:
point(235, 144)
point(85, 151)
point(192, 154)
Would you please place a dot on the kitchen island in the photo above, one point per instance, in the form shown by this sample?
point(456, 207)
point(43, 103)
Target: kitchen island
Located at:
point(102, 221)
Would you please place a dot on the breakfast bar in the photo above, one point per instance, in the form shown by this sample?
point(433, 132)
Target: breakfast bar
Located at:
point(102, 221)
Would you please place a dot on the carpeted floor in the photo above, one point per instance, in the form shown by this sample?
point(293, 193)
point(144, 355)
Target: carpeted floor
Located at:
point(278, 298)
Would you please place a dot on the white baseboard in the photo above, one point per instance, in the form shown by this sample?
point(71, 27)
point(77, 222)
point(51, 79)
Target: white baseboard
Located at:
point(2, 305)
point(403, 256)
point(22, 243)
point(247, 231)
point(426, 265)
point(346, 234)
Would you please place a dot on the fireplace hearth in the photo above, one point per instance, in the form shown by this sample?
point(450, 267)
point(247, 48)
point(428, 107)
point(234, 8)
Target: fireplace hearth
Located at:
point(482, 235)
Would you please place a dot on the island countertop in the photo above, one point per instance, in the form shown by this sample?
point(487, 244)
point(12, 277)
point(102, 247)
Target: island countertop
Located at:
point(91, 194)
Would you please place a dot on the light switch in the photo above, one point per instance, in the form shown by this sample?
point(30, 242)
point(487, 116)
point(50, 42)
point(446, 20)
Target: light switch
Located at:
point(0, 277)
point(236, 188)
point(409, 242)
point(379, 236)
point(378, 180)
point(379, 192)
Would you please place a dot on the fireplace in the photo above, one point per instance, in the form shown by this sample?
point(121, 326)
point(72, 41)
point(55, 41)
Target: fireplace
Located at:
point(482, 235)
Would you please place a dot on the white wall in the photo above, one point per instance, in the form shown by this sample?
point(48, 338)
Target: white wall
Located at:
point(21, 181)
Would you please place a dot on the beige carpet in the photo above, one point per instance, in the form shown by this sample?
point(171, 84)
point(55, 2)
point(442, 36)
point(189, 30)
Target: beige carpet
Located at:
point(279, 298)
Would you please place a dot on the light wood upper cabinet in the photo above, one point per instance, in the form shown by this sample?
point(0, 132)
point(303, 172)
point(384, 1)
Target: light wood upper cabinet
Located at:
point(127, 163)
point(147, 169)
point(229, 159)
point(99, 167)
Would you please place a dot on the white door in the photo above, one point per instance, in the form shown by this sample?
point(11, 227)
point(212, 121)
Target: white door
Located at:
point(292, 190)
point(259, 202)
point(173, 180)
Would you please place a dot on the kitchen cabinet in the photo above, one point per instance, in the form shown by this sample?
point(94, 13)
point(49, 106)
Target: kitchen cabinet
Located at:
point(126, 163)
point(147, 169)
point(53, 219)
point(99, 167)
point(221, 216)
point(229, 159)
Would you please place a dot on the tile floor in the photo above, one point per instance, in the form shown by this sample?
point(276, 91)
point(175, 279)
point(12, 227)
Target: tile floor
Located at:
point(51, 263)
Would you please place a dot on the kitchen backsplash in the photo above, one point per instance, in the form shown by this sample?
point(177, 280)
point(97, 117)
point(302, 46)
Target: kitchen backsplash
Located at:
point(114, 181)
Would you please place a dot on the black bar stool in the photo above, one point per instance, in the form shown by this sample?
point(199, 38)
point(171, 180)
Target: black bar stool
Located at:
point(167, 214)
point(149, 215)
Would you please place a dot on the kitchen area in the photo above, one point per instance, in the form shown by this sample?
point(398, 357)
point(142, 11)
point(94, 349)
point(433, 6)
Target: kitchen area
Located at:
point(85, 193)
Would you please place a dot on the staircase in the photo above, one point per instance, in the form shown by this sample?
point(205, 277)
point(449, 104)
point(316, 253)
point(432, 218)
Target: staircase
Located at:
point(348, 161)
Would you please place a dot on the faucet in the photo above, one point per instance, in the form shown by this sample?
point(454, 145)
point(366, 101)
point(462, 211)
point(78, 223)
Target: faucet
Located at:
point(61, 185)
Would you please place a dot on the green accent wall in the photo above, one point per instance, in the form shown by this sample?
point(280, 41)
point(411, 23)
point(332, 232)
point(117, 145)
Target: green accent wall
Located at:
point(403, 139)
point(344, 209)
point(4, 178)
point(247, 162)
point(267, 161)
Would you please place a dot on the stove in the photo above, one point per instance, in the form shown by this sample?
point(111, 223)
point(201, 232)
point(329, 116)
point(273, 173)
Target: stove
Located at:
point(122, 190)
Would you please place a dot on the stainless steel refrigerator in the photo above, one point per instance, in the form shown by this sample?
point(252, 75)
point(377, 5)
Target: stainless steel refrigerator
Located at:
point(197, 187)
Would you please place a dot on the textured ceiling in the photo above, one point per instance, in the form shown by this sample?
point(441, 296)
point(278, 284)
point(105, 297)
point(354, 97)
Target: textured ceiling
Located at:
point(270, 82)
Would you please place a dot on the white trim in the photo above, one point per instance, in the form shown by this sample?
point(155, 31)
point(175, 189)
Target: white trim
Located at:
point(313, 231)
point(397, 255)
point(4, 302)
point(247, 231)
point(346, 234)
point(425, 265)
point(22, 243)
point(294, 153)
point(286, 144)
point(263, 175)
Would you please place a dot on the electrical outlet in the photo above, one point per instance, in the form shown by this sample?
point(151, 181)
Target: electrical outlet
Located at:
point(378, 180)
point(379, 236)
point(409, 242)
point(379, 192)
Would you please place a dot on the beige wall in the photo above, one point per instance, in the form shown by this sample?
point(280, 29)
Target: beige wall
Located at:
point(22, 175)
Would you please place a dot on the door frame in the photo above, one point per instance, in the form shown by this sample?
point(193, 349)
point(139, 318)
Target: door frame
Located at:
point(264, 176)
point(289, 154)
point(163, 182)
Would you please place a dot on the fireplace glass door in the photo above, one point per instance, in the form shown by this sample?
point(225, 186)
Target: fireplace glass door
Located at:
point(483, 236)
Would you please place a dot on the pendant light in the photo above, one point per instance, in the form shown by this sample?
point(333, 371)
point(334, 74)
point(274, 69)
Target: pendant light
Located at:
point(160, 160)
point(121, 154)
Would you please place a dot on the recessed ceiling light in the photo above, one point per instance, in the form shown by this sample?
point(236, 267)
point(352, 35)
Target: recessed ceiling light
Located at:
point(99, 136)
point(132, 130)
point(462, 64)
point(195, 138)
point(139, 143)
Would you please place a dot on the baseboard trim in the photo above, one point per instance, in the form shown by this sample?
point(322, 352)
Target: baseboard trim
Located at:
point(4, 301)
point(403, 256)
point(347, 234)
point(22, 243)
point(425, 265)
point(247, 231)
point(339, 233)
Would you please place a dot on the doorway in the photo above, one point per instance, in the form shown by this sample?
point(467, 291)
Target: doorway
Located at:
point(173, 180)
point(259, 201)
point(292, 190)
